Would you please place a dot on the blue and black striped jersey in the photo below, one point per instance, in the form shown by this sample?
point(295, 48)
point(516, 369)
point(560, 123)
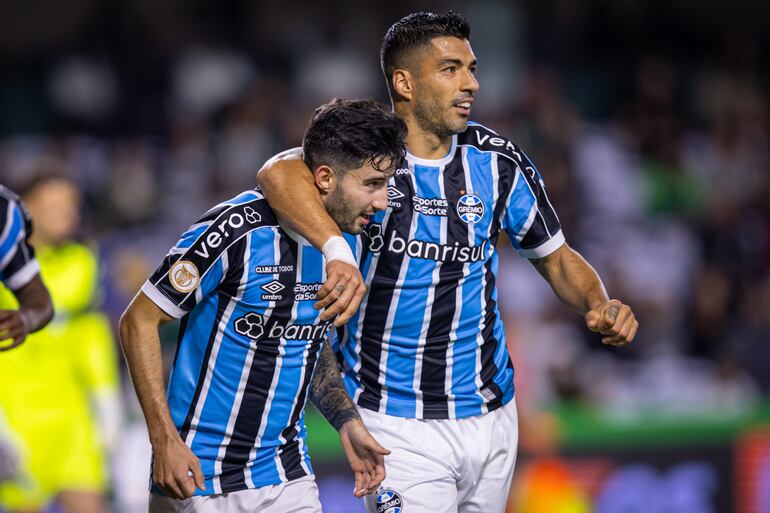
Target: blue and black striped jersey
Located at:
point(248, 343)
point(17, 258)
point(428, 341)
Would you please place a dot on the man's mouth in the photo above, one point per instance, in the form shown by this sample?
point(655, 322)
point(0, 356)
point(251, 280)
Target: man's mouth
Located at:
point(464, 107)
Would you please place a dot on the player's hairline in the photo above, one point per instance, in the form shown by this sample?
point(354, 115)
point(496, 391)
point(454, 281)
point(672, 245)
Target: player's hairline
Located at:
point(421, 46)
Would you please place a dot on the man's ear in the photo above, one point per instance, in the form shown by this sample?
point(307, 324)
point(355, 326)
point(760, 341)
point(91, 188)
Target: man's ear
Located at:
point(325, 179)
point(402, 83)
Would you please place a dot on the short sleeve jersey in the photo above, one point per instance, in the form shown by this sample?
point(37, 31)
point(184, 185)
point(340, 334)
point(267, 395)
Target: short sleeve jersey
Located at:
point(428, 341)
point(248, 343)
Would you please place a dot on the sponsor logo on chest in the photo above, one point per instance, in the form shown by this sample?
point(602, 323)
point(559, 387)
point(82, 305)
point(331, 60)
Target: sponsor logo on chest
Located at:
point(256, 327)
point(221, 230)
point(430, 206)
point(306, 291)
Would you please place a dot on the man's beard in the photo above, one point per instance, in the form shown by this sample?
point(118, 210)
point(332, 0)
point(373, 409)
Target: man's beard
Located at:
point(338, 210)
point(430, 117)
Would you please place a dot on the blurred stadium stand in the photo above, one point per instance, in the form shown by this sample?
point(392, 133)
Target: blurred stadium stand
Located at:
point(648, 119)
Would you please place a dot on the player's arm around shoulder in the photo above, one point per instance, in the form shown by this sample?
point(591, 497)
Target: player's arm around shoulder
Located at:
point(289, 188)
point(175, 469)
point(578, 285)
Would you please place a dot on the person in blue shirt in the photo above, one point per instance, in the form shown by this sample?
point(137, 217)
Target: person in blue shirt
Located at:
point(230, 429)
point(424, 357)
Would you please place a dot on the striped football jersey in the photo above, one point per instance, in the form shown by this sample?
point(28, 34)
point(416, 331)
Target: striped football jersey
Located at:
point(428, 341)
point(248, 343)
point(17, 258)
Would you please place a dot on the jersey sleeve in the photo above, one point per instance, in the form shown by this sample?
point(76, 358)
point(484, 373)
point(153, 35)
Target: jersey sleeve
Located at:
point(17, 258)
point(530, 220)
point(207, 255)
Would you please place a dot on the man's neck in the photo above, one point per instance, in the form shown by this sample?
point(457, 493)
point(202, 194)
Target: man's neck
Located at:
point(423, 143)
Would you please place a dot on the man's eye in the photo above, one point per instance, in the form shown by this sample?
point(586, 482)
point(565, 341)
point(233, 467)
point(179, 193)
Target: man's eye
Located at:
point(450, 69)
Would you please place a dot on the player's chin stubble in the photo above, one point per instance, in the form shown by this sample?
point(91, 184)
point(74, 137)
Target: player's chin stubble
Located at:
point(434, 119)
point(345, 218)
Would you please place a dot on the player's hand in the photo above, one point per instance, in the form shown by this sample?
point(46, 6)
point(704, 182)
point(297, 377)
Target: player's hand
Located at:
point(615, 321)
point(13, 326)
point(365, 455)
point(176, 470)
point(342, 293)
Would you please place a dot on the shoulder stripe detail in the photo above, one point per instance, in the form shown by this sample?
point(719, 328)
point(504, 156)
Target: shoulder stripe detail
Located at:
point(24, 275)
point(485, 139)
point(161, 301)
point(545, 249)
point(228, 228)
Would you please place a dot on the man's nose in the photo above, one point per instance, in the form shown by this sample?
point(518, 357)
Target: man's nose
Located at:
point(380, 199)
point(470, 83)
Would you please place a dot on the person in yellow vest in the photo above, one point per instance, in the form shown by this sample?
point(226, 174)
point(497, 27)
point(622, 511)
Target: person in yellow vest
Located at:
point(20, 273)
point(59, 390)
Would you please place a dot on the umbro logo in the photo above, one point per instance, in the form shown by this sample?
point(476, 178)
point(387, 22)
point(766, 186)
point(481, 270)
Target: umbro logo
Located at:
point(394, 193)
point(272, 289)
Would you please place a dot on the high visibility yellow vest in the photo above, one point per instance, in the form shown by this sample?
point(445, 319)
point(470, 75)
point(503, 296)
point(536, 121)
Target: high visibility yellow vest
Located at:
point(59, 368)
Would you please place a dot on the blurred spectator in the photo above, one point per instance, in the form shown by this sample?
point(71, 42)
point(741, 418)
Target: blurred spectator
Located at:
point(60, 390)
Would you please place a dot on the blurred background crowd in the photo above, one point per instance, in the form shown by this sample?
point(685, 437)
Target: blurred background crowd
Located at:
point(648, 120)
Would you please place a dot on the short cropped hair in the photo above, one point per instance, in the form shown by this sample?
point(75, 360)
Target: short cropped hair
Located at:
point(416, 30)
point(348, 134)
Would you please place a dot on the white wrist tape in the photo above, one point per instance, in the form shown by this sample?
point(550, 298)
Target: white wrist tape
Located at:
point(336, 248)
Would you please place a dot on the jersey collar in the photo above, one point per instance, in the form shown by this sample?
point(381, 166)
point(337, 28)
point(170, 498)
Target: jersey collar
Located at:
point(437, 162)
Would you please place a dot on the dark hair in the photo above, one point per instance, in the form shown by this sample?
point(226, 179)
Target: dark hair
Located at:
point(41, 173)
point(416, 30)
point(347, 134)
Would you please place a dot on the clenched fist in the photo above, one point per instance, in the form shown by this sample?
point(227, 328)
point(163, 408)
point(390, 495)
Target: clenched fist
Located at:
point(615, 321)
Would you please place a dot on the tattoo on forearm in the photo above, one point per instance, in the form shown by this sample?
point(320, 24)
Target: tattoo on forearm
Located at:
point(327, 392)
